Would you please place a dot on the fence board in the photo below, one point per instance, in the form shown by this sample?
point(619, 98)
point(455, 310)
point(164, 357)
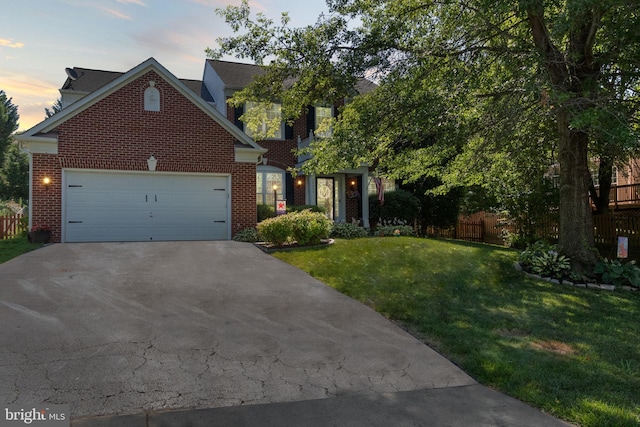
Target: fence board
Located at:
point(10, 226)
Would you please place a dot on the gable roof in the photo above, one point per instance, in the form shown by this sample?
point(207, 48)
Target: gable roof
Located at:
point(236, 75)
point(89, 80)
point(44, 132)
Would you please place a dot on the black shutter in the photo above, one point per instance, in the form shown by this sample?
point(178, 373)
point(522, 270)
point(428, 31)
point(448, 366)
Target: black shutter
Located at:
point(237, 112)
point(311, 120)
point(290, 191)
point(288, 131)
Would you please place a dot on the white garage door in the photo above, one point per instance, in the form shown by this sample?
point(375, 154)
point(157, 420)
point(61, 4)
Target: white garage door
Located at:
point(116, 207)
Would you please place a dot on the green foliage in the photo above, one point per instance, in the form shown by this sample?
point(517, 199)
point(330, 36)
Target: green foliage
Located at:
point(308, 227)
point(617, 273)
point(551, 264)
point(14, 175)
point(346, 230)
point(475, 93)
point(399, 205)
point(305, 228)
point(249, 235)
point(8, 123)
point(438, 210)
point(55, 108)
point(265, 211)
point(277, 230)
point(543, 259)
point(16, 246)
point(393, 230)
point(300, 208)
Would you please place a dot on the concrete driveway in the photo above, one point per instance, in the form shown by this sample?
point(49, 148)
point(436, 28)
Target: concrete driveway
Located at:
point(213, 331)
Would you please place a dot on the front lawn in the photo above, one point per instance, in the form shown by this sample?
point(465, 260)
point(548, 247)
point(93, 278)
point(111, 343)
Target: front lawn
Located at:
point(574, 353)
point(16, 246)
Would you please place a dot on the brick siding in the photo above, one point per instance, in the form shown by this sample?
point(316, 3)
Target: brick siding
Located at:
point(117, 133)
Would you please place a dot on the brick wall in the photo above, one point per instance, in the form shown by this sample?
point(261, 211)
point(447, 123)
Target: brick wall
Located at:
point(117, 133)
point(281, 151)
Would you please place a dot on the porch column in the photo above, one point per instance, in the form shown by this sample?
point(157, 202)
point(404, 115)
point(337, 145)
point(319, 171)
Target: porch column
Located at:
point(365, 198)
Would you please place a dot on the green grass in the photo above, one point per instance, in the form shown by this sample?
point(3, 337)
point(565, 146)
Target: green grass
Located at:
point(574, 353)
point(12, 248)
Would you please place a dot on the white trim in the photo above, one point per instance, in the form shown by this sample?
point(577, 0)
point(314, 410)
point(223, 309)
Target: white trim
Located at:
point(39, 144)
point(248, 155)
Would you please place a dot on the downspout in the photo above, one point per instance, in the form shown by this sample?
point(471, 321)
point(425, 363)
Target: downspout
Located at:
point(30, 155)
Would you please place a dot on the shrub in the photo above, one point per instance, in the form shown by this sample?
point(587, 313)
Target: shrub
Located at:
point(398, 205)
point(277, 231)
point(543, 259)
point(300, 208)
point(344, 230)
point(265, 211)
point(250, 235)
point(616, 273)
point(309, 228)
point(551, 264)
point(394, 230)
point(306, 228)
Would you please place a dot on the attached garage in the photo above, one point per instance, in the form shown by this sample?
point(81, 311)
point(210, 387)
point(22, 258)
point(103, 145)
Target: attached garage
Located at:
point(100, 206)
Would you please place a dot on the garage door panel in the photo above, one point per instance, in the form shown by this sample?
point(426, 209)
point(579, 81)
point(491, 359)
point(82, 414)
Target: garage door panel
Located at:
point(105, 206)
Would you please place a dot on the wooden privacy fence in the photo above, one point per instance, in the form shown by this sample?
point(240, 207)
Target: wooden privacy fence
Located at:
point(491, 228)
point(10, 226)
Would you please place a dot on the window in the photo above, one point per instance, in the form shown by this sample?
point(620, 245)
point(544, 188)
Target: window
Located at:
point(151, 98)
point(264, 120)
point(387, 185)
point(322, 114)
point(266, 178)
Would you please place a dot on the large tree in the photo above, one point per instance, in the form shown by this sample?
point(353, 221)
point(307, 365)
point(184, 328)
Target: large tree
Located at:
point(14, 175)
point(8, 123)
point(462, 82)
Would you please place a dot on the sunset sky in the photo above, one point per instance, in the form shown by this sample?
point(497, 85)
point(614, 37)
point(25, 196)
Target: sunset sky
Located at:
point(40, 38)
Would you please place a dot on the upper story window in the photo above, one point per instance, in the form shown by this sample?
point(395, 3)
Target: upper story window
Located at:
point(151, 98)
point(323, 115)
point(263, 120)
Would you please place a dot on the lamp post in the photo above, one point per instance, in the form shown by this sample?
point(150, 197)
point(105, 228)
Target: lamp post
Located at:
point(275, 199)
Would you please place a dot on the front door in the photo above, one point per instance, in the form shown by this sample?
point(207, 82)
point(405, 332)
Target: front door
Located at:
point(325, 191)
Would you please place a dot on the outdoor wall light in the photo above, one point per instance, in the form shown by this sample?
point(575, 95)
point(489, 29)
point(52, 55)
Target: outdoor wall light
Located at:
point(46, 181)
point(353, 182)
point(299, 182)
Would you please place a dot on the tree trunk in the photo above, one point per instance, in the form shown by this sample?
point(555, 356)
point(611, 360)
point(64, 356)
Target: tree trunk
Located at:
point(601, 198)
point(576, 225)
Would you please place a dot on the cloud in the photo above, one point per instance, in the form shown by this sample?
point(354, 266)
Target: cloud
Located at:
point(11, 44)
point(30, 94)
point(138, 2)
point(115, 13)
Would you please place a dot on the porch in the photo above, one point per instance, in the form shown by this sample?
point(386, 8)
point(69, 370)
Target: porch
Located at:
point(343, 195)
point(624, 196)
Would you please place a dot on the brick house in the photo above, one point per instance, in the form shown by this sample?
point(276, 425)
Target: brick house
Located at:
point(339, 193)
point(143, 155)
point(139, 156)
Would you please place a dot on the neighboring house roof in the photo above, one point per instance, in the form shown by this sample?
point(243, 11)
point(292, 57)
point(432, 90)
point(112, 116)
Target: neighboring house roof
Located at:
point(43, 136)
point(87, 80)
point(236, 75)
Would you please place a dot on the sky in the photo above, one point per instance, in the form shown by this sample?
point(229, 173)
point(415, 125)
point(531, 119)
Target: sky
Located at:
point(40, 38)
